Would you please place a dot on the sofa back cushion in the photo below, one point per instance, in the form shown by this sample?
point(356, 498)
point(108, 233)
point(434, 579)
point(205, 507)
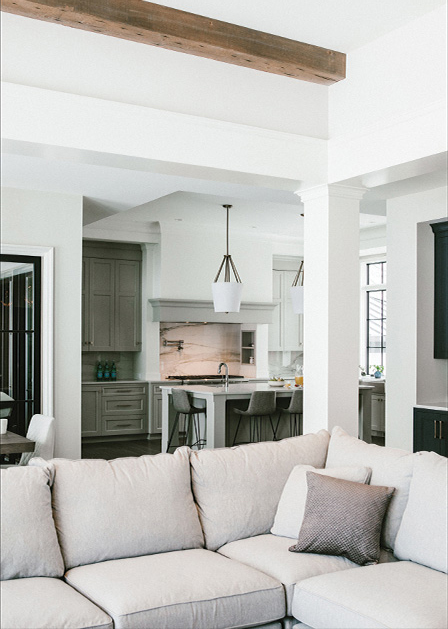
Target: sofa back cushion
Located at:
point(423, 534)
point(124, 508)
point(390, 467)
point(28, 541)
point(237, 489)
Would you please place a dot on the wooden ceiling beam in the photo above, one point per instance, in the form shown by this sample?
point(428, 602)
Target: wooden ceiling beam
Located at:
point(157, 25)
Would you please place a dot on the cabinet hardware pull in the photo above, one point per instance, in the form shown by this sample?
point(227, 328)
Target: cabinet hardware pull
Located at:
point(123, 405)
point(124, 391)
point(123, 426)
point(440, 429)
point(435, 429)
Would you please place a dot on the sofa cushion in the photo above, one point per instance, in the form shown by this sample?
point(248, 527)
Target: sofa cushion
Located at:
point(269, 553)
point(28, 540)
point(343, 518)
point(124, 508)
point(237, 489)
point(43, 603)
point(391, 467)
point(400, 595)
point(423, 534)
point(190, 588)
point(291, 508)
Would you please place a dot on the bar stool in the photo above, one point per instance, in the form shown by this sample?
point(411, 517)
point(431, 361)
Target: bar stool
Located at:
point(182, 406)
point(295, 412)
point(261, 404)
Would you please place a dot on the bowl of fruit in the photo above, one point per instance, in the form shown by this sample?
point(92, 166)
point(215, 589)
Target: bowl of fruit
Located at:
point(276, 382)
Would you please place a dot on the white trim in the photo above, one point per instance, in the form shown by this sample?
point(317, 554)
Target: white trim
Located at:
point(47, 325)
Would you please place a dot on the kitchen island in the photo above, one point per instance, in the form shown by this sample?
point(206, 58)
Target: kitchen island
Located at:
point(219, 403)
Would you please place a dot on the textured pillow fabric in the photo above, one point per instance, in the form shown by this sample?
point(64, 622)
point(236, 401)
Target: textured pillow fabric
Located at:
point(237, 489)
point(124, 508)
point(343, 518)
point(28, 541)
point(391, 467)
point(423, 534)
point(291, 507)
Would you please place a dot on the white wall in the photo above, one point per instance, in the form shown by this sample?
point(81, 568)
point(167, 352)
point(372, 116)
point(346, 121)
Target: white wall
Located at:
point(403, 216)
point(391, 108)
point(190, 258)
point(55, 220)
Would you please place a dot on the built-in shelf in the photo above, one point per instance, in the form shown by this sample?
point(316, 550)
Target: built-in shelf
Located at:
point(248, 347)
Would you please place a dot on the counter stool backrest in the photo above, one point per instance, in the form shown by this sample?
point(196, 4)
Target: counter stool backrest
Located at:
point(181, 401)
point(262, 403)
point(296, 403)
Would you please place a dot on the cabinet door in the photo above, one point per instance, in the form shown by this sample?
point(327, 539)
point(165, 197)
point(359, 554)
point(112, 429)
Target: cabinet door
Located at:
point(127, 306)
point(378, 413)
point(156, 420)
point(441, 290)
point(85, 303)
point(430, 431)
point(276, 327)
point(91, 412)
point(102, 305)
point(292, 323)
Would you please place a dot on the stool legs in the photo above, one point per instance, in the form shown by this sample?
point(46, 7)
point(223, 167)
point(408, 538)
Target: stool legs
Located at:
point(173, 430)
point(191, 423)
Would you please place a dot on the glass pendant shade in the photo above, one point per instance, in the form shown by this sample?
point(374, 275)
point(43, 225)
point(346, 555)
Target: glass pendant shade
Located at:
point(297, 299)
point(227, 294)
point(297, 291)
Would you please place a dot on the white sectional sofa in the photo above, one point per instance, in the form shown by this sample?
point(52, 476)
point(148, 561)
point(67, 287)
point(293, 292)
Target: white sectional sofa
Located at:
point(183, 540)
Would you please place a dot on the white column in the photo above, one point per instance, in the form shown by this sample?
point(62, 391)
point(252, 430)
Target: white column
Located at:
point(331, 307)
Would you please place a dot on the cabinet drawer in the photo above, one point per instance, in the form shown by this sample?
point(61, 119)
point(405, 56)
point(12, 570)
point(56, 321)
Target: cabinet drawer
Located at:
point(131, 425)
point(124, 389)
point(123, 406)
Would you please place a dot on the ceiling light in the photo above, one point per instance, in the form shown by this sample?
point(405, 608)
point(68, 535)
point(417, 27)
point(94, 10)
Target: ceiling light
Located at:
point(297, 291)
point(227, 294)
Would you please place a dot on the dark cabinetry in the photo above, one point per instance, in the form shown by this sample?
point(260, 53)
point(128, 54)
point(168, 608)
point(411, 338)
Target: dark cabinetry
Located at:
point(431, 430)
point(440, 289)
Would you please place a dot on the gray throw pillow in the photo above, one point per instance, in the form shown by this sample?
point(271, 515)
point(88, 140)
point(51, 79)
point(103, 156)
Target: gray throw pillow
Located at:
point(343, 518)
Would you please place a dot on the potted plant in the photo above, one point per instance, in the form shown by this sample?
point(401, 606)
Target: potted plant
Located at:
point(378, 370)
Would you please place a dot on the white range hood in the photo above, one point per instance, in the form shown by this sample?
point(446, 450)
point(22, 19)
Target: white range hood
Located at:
point(178, 310)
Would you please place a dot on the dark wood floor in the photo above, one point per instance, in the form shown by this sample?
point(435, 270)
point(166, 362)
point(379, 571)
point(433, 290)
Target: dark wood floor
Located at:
point(117, 449)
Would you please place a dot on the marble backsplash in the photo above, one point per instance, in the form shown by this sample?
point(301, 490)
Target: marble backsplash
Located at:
point(205, 345)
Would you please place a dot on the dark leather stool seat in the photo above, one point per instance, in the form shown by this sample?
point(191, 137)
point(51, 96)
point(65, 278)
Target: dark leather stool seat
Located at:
point(261, 404)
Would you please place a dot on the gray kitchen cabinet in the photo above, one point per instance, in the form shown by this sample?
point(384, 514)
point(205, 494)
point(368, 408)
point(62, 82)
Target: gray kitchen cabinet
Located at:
point(114, 409)
point(127, 306)
point(156, 424)
point(378, 414)
point(286, 330)
point(91, 411)
point(111, 304)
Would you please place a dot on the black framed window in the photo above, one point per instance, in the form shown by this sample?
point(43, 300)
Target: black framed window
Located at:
point(20, 352)
point(376, 314)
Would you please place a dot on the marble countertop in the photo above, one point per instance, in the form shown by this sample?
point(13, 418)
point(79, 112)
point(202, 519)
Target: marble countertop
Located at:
point(244, 388)
point(435, 406)
point(115, 382)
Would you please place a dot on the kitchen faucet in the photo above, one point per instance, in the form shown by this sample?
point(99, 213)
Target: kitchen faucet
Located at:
point(226, 377)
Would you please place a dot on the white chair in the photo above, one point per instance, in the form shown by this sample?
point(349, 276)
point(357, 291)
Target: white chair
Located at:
point(41, 431)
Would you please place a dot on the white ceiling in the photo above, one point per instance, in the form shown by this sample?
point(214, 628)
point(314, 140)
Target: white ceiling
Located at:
point(337, 24)
point(113, 191)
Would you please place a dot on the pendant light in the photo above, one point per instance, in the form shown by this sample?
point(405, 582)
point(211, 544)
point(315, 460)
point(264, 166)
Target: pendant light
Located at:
point(227, 294)
point(297, 291)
